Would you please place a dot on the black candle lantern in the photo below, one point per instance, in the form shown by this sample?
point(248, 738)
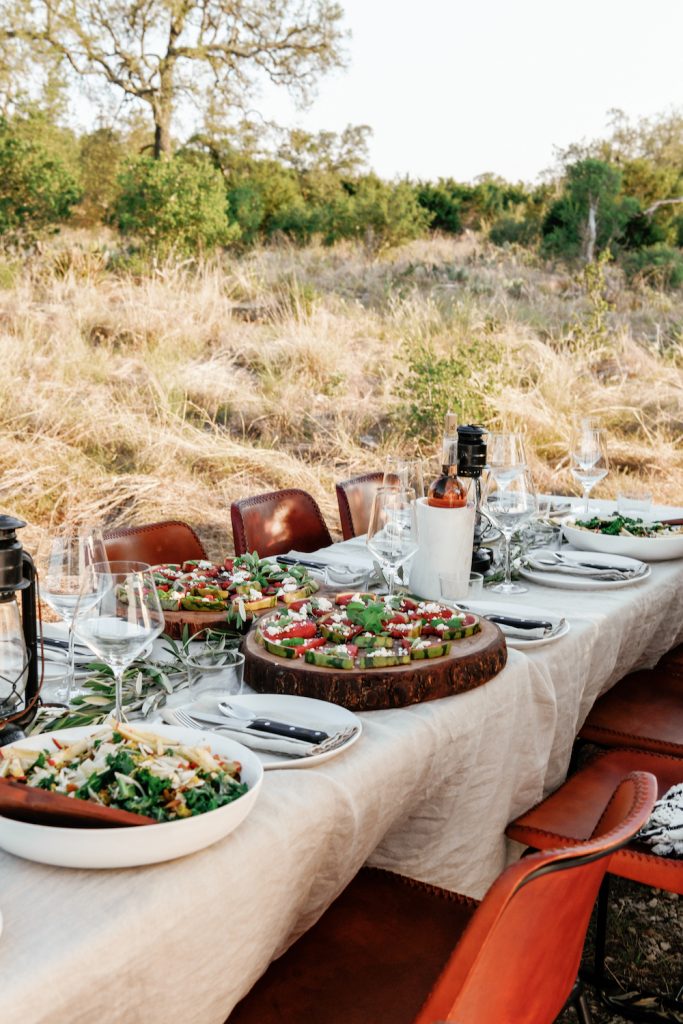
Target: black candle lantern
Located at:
point(19, 660)
point(471, 463)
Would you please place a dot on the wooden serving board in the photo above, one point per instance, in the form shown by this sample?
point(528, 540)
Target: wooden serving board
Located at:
point(471, 662)
point(196, 622)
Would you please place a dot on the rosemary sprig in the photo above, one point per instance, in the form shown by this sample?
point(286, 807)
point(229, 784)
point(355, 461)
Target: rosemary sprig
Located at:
point(146, 686)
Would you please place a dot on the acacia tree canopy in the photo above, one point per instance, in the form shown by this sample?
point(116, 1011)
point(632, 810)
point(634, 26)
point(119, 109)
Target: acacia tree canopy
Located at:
point(160, 52)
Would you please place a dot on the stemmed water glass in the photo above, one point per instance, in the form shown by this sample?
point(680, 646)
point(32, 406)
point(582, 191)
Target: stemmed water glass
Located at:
point(392, 530)
point(118, 615)
point(509, 496)
point(588, 458)
point(404, 474)
point(65, 561)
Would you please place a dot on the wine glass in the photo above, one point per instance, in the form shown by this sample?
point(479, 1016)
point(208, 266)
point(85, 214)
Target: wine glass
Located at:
point(505, 457)
point(392, 530)
point(404, 474)
point(65, 560)
point(118, 615)
point(509, 502)
point(588, 458)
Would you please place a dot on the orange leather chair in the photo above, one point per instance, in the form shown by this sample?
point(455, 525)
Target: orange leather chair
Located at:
point(354, 497)
point(167, 541)
point(383, 952)
point(277, 522)
point(643, 710)
point(573, 812)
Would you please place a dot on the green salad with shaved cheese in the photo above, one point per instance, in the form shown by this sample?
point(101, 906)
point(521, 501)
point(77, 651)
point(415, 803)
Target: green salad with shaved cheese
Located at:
point(134, 771)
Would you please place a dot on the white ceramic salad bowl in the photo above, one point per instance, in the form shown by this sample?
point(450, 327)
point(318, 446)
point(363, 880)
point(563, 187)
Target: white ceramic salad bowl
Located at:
point(646, 549)
point(131, 847)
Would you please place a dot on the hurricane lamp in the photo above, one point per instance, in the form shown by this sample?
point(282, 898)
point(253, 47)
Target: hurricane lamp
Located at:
point(19, 657)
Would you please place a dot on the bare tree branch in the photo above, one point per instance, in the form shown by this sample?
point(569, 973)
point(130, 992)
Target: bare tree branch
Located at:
point(158, 50)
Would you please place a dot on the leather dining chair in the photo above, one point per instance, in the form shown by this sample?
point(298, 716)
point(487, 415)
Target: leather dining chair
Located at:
point(277, 522)
point(354, 498)
point(154, 543)
point(384, 951)
point(570, 815)
point(643, 710)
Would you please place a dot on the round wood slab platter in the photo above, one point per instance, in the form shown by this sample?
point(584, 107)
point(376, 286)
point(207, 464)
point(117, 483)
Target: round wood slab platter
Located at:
point(470, 663)
point(196, 622)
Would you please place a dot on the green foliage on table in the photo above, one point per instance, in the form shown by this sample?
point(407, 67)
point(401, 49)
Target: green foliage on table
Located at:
point(146, 686)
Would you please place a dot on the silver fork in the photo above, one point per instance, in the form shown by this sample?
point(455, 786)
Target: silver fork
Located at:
point(338, 739)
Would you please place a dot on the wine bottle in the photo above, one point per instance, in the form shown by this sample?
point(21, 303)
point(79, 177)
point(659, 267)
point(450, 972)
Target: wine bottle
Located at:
point(448, 491)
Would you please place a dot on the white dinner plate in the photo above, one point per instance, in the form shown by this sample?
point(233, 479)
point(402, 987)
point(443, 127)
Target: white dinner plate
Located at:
point(306, 711)
point(139, 844)
point(524, 611)
point(564, 581)
point(647, 549)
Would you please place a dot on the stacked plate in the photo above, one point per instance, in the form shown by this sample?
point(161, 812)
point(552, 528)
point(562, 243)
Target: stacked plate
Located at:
point(576, 570)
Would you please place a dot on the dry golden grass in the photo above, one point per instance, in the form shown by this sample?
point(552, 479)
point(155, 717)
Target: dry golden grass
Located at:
point(129, 399)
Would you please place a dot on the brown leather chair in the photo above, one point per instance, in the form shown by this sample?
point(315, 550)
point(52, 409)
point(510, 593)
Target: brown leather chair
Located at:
point(571, 814)
point(277, 522)
point(354, 497)
point(167, 541)
point(643, 710)
point(384, 951)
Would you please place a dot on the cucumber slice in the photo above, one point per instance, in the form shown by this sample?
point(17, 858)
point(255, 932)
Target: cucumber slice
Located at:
point(371, 641)
point(279, 649)
point(435, 650)
point(320, 657)
point(383, 661)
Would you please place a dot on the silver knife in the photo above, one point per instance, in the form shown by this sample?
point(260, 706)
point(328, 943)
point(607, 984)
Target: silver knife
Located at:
point(262, 725)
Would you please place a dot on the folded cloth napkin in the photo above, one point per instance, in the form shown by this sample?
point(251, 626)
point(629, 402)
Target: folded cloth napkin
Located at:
point(354, 557)
point(538, 633)
point(572, 569)
point(664, 830)
point(249, 738)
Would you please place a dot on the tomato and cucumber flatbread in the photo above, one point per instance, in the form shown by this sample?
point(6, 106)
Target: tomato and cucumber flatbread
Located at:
point(361, 631)
point(240, 586)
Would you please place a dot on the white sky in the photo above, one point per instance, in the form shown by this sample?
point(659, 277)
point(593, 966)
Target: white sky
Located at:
point(454, 88)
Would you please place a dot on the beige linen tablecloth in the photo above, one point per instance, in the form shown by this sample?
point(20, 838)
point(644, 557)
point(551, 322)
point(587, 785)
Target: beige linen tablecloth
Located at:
point(427, 791)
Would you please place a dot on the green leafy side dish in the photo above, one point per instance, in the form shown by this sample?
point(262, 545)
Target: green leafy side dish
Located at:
point(131, 770)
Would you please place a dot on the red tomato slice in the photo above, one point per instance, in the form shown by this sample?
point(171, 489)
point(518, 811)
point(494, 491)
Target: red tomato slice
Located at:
point(317, 641)
point(306, 630)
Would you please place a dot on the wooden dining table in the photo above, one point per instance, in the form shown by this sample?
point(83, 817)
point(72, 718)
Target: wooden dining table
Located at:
point(427, 791)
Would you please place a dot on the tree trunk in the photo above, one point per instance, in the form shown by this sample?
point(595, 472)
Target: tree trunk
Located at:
point(162, 135)
point(591, 230)
point(163, 111)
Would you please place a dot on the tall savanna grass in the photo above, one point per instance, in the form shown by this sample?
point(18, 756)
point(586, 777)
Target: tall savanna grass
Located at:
point(128, 398)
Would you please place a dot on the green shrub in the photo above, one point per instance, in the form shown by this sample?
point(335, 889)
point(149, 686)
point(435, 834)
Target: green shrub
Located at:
point(443, 204)
point(508, 230)
point(658, 265)
point(36, 189)
point(462, 381)
point(174, 206)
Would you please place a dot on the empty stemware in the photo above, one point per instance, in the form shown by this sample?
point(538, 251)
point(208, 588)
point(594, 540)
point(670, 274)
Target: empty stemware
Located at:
point(509, 502)
point(64, 561)
point(588, 458)
point(118, 615)
point(392, 530)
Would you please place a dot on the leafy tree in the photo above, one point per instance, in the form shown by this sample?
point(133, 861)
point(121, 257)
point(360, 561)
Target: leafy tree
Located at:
point(205, 51)
point(443, 203)
point(345, 155)
point(36, 190)
point(590, 214)
point(173, 206)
